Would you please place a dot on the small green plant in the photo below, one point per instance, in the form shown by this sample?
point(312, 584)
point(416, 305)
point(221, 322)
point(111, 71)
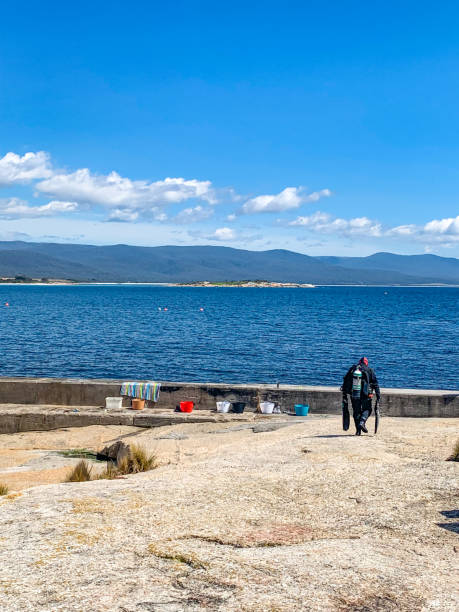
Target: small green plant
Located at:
point(138, 460)
point(78, 453)
point(3, 489)
point(80, 473)
point(455, 454)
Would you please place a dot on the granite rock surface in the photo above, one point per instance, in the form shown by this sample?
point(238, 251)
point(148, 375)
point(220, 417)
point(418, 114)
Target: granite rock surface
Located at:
point(300, 518)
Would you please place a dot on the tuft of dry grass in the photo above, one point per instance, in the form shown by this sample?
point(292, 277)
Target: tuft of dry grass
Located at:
point(137, 461)
point(80, 473)
point(455, 454)
point(109, 473)
point(3, 489)
point(13, 496)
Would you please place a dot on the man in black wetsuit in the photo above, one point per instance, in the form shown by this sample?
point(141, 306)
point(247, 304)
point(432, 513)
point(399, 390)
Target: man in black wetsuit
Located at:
point(360, 382)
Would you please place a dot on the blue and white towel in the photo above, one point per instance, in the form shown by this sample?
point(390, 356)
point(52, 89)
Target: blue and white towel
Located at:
point(141, 390)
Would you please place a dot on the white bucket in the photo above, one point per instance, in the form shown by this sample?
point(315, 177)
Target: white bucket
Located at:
point(223, 406)
point(112, 403)
point(267, 407)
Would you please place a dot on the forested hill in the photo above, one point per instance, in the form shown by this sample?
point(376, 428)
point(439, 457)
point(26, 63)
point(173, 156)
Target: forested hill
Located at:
point(124, 263)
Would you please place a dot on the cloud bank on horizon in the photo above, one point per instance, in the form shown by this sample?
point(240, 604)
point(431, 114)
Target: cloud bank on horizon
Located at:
point(164, 208)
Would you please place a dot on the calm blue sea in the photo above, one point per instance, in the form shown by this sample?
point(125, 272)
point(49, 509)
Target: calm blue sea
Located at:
point(296, 336)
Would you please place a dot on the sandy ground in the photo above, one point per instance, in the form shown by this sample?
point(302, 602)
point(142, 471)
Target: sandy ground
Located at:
point(302, 518)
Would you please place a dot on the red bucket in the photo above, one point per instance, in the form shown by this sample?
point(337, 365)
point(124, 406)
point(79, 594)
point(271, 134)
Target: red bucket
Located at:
point(186, 406)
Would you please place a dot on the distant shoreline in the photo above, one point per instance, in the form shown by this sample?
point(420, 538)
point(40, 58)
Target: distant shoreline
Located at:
point(40, 282)
point(248, 283)
point(211, 285)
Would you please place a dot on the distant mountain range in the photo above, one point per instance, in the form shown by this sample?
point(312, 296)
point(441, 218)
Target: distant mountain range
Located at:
point(175, 264)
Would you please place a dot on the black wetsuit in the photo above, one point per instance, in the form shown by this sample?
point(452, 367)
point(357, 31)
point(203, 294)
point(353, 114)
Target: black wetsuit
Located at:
point(361, 406)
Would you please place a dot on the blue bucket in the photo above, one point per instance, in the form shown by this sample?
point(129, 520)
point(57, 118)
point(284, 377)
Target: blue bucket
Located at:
point(301, 409)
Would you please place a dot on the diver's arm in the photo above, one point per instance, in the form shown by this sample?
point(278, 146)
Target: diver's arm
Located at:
point(375, 385)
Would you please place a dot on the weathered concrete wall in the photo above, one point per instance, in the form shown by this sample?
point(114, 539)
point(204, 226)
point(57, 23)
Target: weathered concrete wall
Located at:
point(27, 417)
point(81, 392)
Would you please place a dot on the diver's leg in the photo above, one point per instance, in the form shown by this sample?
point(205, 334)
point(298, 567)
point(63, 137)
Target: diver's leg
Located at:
point(365, 413)
point(356, 411)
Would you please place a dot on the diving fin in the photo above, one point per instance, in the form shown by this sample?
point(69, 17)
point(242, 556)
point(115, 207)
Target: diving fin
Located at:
point(346, 417)
point(377, 415)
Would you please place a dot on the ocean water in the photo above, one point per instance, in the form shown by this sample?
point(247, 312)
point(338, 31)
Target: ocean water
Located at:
point(295, 336)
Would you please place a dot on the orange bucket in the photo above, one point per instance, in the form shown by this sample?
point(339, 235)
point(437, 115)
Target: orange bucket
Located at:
point(138, 404)
point(186, 406)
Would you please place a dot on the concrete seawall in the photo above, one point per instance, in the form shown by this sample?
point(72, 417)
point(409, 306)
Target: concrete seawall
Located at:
point(322, 400)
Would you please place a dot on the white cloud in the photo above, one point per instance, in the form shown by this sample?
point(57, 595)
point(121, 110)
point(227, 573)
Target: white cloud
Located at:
point(443, 226)
point(115, 191)
point(224, 233)
point(221, 234)
point(363, 225)
point(143, 201)
point(403, 230)
point(289, 198)
point(31, 166)
point(314, 220)
point(193, 215)
point(227, 234)
point(438, 231)
point(14, 208)
point(326, 224)
point(316, 195)
point(128, 200)
point(129, 215)
point(124, 215)
point(58, 206)
point(443, 232)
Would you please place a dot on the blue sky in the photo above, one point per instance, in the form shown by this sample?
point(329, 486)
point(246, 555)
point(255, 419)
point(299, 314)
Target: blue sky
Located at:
point(325, 129)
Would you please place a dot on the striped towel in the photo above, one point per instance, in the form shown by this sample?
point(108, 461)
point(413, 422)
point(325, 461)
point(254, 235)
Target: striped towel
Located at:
point(141, 390)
